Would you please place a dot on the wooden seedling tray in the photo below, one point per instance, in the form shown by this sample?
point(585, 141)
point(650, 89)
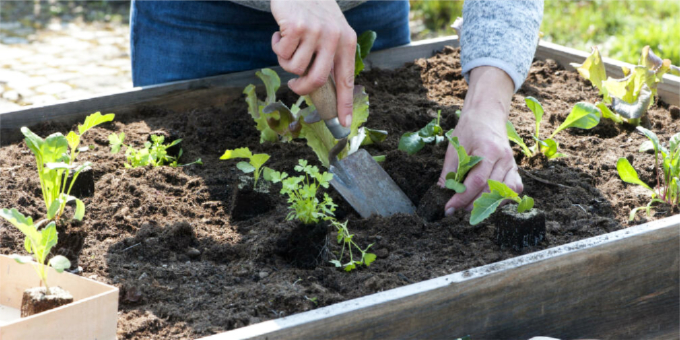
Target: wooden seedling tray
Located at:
point(624, 284)
point(92, 316)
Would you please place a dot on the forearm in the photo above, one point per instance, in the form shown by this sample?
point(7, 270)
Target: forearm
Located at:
point(502, 34)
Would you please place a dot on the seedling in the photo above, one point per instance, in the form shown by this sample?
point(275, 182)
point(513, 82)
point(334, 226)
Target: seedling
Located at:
point(254, 164)
point(454, 180)
point(412, 142)
point(667, 186)
point(301, 191)
point(346, 239)
point(55, 162)
point(364, 44)
point(582, 116)
point(631, 96)
point(38, 243)
point(153, 153)
point(486, 204)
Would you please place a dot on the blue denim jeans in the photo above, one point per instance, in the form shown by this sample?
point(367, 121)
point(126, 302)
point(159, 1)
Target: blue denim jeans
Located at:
point(178, 40)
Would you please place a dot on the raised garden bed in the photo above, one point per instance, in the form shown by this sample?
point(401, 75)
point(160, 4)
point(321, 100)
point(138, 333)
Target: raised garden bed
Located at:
point(191, 259)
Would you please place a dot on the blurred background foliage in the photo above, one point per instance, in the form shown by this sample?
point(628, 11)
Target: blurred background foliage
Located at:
point(620, 28)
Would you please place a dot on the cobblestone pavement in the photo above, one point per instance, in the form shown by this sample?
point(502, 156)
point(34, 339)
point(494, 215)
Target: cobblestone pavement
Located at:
point(61, 60)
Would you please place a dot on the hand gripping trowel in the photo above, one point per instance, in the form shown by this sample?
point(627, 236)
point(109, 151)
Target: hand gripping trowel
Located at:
point(358, 177)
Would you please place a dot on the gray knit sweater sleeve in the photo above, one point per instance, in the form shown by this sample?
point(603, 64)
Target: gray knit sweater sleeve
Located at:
point(503, 34)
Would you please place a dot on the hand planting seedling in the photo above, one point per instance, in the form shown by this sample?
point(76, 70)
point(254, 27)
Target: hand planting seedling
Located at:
point(582, 116)
point(668, 185)
point(346, 239)
point(412, 142)
point(454, 180)
point(486, 204)
point(153, 153)
point(632, 95)
point(364, 44)
point(254, 164)
point(38, 243)
point(55, 162)
point(301, 191)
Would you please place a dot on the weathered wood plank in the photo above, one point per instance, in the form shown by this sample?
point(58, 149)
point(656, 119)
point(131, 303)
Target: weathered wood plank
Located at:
point(619, 285)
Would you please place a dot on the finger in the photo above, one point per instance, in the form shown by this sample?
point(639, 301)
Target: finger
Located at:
point(285, 46)
point(497, 174)
point(450, 164)
point(344, 77)
point(317, 75)
point(475, 184)
point(299, 63)
point(514, 181)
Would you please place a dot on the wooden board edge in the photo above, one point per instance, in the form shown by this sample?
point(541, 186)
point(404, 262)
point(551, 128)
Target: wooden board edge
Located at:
point(267, 328)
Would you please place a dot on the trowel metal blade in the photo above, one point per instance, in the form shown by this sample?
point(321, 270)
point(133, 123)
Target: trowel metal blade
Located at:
point(367, 187)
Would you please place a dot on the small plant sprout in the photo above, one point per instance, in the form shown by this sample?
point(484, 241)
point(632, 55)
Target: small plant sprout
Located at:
point(631, 96)
point(667, 179)
point(301, 191)
point(254, 164)
point(55, 162)
point(454, 180)
point(37, 243)
point(582, 116)
point(364, 44)
point(153, 153)
point(412, 142)
point(346, 239)
point(486, 204)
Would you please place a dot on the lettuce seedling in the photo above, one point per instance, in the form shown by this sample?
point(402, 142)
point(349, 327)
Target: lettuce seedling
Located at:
point(254, 164)
point(301, 191)
point(412, 142)
point(364, 44)
point(153, 153)
point(55, 162)
point(582, 116)
point(667, 186)
point(454, 180)
point(37, 243)
point(631, 96)
point(486, 204)
point(347, 241)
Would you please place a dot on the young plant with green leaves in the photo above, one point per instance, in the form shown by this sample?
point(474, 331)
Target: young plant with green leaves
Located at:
point(582, 116)
point(38, 243)
point(486, 204)
point(254, 164)
point(454, 180)
point(302, 192)
point(412, 142)
point(631, 96)
point(347, 241)
point(668, 171)
point(364, 44)
point(55, 157)
point(154, 153)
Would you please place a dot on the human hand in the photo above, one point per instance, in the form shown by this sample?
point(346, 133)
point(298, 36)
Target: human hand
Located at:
point(316, 33)
point(481, 130)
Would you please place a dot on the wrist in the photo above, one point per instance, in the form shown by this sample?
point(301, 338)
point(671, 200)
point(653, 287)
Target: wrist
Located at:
point(489, 93)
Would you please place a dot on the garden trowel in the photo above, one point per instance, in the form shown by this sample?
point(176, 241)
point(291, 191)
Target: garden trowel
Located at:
point(358, 177)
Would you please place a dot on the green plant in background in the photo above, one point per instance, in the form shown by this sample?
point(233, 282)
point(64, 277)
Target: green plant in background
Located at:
point(632, 95)
point(454, 180)
point(667, 180)
point(364, 44)
point(154, 153)
point(347, 241)
point(486, 204)
point(254, 164)
point(55, 162)
point(37, 243)
point(582, 116)
point(301, 192)
point(412, 142)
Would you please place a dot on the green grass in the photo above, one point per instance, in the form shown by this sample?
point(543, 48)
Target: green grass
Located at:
point(619, 28)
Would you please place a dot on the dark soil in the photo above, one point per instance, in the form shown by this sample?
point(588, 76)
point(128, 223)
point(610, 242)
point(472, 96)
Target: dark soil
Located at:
point(188, 268)
point(35, 300)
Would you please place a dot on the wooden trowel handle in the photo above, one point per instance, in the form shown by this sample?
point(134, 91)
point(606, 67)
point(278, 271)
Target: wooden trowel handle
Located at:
point(324, 98)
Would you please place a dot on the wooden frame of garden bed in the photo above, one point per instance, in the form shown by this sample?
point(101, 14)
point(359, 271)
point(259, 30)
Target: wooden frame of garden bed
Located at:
point(618, 285)
point(93, 315)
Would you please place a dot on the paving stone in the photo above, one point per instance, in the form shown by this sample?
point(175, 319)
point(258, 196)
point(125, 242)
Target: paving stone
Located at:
point(53, 88)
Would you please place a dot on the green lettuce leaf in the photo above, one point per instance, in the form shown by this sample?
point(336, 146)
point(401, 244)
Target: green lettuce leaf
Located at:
point(583, 116)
